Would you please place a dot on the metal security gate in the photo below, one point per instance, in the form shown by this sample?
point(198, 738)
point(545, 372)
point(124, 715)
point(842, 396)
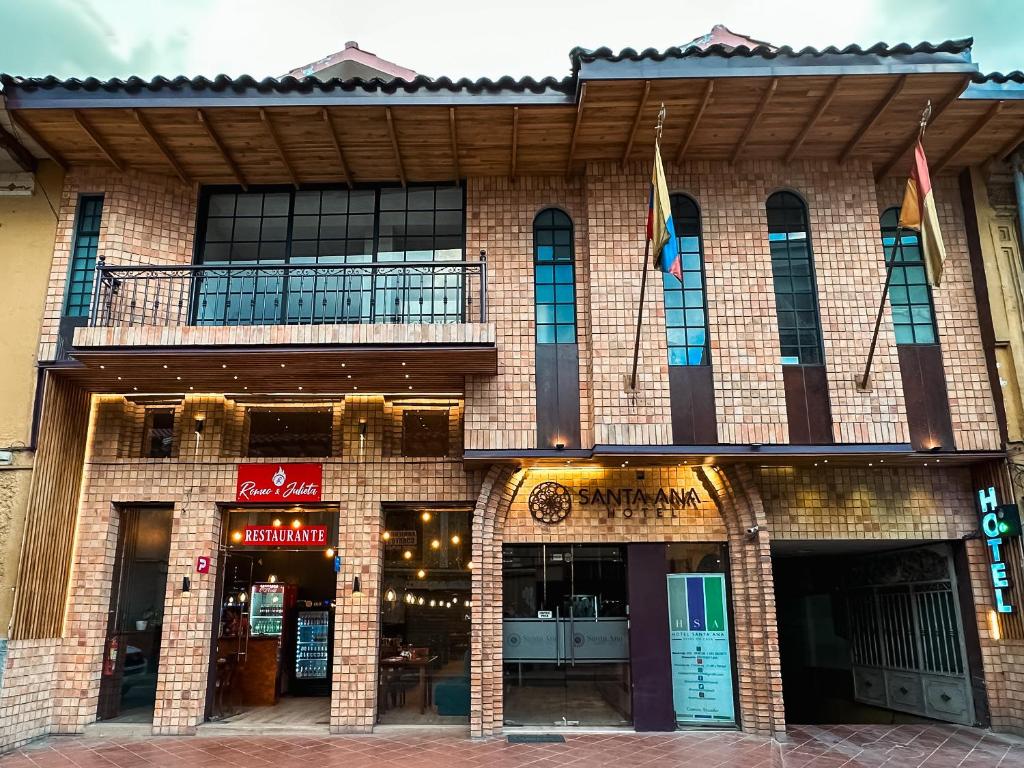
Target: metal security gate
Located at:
point(906, 636)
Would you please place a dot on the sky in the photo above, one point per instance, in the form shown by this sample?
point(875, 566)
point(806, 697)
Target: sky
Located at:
point(479, 38)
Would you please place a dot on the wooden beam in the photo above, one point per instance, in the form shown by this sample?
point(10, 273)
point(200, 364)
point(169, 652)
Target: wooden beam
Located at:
point(576, 129)
point(18, 152)
point(937, 111)
point(636, 121)
point(276, 141)
point(761, 106)
point(161, 146)
point(43, 145)
point(974, 130)
point(709, 89)
point(815, 116)
point(515, 139)
point(97, 140)
point(212, 133)
point(1007, 149)
point(454, 136)
point(394, 145)
point(879, 110)
point(337, 146)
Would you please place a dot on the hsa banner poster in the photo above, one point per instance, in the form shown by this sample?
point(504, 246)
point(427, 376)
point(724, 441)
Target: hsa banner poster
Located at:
point(699, 640)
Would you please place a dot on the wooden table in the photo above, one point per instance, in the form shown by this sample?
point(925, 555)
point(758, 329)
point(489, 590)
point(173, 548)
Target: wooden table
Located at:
point(423, 664)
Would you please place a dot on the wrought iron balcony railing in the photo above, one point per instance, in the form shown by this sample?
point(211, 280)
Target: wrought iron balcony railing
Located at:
point(290, 294)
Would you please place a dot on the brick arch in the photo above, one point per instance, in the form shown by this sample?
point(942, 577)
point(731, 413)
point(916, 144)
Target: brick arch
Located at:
point(498, 490)
point(758, 668)
point(758, 672)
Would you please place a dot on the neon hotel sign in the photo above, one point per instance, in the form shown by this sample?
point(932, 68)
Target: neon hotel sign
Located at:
point(994, 540)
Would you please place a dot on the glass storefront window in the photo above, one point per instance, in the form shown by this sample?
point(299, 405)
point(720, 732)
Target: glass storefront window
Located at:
point(566, 635)
point(424, 662)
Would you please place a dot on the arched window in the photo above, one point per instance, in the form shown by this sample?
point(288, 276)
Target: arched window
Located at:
point(554, 278)
point(686, 319)
point(796, 299)
point(910, 296)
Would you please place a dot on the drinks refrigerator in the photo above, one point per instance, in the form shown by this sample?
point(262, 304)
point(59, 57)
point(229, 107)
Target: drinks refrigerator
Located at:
point(269, 608)
point(311, 665)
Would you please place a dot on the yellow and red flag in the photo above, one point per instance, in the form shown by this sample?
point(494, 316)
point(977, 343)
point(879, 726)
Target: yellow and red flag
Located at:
point(918, 212)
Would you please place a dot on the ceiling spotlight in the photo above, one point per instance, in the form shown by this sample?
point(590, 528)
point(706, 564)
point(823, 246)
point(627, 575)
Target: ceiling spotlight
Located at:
point(282, 365)
point(277, 522)
point(103, 367)
point(236, 536)
point(223, 365)
point(296, 523)
point(165, 366)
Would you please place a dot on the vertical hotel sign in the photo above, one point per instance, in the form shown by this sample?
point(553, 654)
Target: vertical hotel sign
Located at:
point(702, 687)
point(994, 526)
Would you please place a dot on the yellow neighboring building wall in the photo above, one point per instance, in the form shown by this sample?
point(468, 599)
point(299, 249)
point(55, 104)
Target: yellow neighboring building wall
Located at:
point(27, 229)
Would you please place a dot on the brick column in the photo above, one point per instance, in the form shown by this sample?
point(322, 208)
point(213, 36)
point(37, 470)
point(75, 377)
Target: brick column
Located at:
point(758, 667)
point(496, 494)
point(188, 619)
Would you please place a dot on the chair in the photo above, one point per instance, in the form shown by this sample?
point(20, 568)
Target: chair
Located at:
point(451, 696)
point(226, 669)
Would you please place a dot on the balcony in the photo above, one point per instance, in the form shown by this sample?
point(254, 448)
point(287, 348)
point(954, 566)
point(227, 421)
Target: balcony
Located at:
point(434, 292)
point(400, 325)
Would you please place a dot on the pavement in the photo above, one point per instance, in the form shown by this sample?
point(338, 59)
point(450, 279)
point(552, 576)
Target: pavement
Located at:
point(838, 746)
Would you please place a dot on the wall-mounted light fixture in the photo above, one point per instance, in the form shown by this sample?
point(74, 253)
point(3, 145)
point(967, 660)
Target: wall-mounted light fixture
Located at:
point(200, 423)
point(559, 446)
point(186, 584)
point(357, 588)
point(362, 428)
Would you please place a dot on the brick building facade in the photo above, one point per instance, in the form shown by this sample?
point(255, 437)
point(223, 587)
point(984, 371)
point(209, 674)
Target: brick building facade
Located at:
point(774, 517)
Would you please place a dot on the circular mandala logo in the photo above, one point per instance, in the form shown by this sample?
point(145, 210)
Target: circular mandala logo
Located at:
point(550, 503)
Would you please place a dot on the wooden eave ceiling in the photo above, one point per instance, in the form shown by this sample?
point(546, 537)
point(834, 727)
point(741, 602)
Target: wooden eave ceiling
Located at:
point(836, 118)
point(293, 371)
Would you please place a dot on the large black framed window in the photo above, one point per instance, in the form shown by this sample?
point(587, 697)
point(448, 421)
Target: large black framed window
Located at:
point(686, 323)
point(554, 273)
point(796, 299)
point(84, 251)
point(910, 296)
point(276, 227)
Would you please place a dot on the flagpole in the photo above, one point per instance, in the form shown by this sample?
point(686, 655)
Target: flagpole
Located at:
point(891, 262)
point(647, 258)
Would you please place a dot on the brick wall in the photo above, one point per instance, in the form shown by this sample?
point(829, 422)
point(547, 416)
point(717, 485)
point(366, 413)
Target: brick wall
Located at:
point(26, 691)
point(749, 393)
point(147, 219)
point(971, 408)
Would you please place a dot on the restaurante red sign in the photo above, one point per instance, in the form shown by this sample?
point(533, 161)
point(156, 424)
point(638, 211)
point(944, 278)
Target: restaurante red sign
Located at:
point(284, 536)
point(279, 482)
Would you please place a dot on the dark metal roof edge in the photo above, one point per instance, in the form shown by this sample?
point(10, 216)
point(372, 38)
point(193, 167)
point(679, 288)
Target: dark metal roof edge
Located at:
point(723, 450)
point(287, 84)
point(996, 86)
point(580, 55)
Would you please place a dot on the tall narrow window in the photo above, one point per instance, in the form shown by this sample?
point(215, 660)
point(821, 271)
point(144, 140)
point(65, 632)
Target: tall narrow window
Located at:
point(910, 296)
point(554, 278)
point(557, 353)
point(793, 272)
point(686, 322)
point(82, 268)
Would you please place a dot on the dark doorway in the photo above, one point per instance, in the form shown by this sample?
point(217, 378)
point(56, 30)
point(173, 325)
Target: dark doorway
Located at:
point(871, 632)
point(131, 654)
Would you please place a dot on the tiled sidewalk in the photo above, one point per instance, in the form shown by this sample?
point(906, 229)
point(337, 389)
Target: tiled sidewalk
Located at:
point(921, 746)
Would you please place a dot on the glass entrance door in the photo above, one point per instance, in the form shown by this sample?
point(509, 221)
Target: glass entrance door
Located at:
point(566, 635)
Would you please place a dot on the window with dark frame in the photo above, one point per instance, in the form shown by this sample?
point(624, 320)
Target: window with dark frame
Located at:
point(910, 295)
point(796, 300)
point(290, 432)
point(686, 323)
point(554, 273)
point(332, 226)
point(84, 251)
point(425, 433)
point(159, 431)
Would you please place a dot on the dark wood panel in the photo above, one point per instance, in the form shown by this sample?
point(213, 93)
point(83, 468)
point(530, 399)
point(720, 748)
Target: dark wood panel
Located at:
point(692, 390)
point(649, 649)
point(807, 404)
point(924, 389)
point(558, 395)
point(45, 565)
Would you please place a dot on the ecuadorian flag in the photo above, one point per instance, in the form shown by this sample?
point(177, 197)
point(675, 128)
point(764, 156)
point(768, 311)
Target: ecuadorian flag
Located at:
point(661, 232)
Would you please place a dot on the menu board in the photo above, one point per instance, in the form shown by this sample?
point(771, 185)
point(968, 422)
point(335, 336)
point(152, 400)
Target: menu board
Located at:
point(702, 687)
